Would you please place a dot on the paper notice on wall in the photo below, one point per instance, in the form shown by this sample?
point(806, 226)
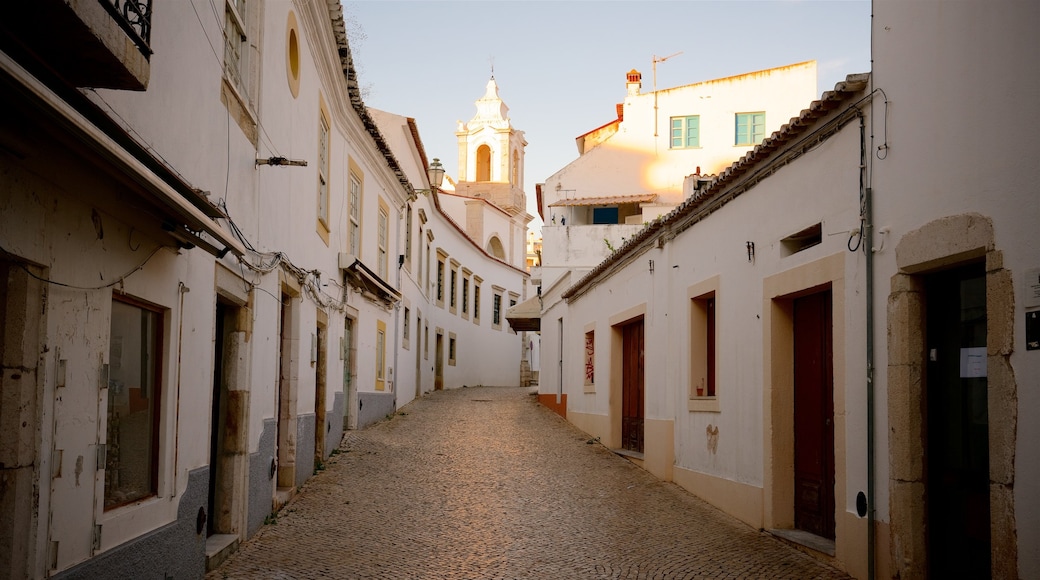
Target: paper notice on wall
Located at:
point(1031, 294)
point(973, 362)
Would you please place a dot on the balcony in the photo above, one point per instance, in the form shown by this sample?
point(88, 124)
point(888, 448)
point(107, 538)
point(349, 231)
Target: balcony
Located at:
point(91, 43)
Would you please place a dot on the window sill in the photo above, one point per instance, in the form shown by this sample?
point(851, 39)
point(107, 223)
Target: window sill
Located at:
point(703, 404)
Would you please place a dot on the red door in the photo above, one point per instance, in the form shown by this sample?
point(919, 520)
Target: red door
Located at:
point(813, 416)
point(632, 387)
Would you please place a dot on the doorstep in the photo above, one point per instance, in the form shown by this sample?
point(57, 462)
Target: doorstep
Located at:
point(218, 548)
point(806, 539)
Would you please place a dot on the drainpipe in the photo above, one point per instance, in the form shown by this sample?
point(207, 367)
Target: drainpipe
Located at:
point(868, 240)
point(397, 307)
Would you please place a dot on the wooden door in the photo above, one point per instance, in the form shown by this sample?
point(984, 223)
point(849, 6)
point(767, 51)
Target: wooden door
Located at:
point(813, 416)
point(632, 387)
point(438, 364)
point(957, 482)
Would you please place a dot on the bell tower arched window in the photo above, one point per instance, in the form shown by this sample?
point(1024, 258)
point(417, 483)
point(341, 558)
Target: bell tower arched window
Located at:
point(516, 167)
point(483, 163)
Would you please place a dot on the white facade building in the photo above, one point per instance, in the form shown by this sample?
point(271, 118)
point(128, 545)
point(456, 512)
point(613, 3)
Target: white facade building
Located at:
point(832, 339)
point(201, 232)
point(455, 293)
point(631, 171)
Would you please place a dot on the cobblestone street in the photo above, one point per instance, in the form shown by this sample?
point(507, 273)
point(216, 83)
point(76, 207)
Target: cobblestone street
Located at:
point(486, 483)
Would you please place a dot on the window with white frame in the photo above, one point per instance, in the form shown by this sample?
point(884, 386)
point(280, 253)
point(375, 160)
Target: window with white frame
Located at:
point(354, 214)
point(236, 44)
point(408, 239)
point(323, 174)
point(383, 239)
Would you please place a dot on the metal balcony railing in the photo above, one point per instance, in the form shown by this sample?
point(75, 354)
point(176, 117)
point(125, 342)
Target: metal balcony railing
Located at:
point(135, 18)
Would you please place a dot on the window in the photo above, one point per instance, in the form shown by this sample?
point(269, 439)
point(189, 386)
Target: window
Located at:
point(236, 43)
point(406, 331)
point(419, 272)
point(453, 286)
point(323, 175)
point(483, 163)
point(516, 168)
point(513, 298)
point(751, 128)
point(704, 380)
point(476, 301)
point(354, 214)
point(465, 292)
point(426, 342)
point(451, 348)
point(380, 355)
point(590, 358)
point(686, 132)
point(408, 238)
point(292, 55)
point(426, 286)
point(496, 311)
point(440, 282)
point(383, 239)
point(134, 393)
point(239, 87)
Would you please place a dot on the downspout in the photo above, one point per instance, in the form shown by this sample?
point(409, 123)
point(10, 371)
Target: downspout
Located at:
point(866, 187)
point(397, 307)
point(868, 249)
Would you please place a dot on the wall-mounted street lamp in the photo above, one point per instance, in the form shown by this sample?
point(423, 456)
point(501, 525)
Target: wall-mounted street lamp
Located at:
point(436, 176)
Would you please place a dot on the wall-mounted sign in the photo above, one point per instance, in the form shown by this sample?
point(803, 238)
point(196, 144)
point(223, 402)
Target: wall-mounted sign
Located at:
point(1033, 330)
point(1031, 288)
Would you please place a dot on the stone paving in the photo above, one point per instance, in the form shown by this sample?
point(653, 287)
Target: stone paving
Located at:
point(486, 483)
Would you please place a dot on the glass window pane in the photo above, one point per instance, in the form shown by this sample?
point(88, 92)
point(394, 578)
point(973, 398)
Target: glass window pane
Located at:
point(133, 394)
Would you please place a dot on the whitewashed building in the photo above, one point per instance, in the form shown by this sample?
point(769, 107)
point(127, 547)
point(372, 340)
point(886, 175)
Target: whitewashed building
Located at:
point(835, 337)
point(201, 227)
point(631, 170)
point(455, 290)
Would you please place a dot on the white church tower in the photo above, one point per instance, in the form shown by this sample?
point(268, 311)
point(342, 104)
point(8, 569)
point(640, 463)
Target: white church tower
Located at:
point(491, 170)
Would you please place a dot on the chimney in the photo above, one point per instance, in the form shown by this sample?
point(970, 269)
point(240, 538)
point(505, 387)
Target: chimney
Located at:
point(620, 111)
point(634, 81)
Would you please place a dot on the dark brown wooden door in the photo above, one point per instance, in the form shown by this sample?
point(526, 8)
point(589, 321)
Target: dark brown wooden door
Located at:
point(813, 416)
point(632, 387)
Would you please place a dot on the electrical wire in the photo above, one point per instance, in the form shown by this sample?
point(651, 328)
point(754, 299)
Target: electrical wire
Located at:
point(118, 280)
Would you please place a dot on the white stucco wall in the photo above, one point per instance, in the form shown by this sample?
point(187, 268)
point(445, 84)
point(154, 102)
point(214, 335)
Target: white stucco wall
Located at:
point(638, 159)
point(950, 152)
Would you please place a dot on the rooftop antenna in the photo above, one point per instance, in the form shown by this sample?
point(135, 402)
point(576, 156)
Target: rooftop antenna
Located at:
point(491, 61)
point(657, 59)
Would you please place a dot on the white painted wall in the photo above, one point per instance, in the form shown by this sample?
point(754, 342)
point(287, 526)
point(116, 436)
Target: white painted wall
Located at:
point(636, 161)
point(961, 139)
point(484, 355)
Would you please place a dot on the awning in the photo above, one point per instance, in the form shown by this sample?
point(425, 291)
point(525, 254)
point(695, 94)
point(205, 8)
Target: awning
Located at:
point(181, 218)
point(526, 316)
point(366, 281)
point(609, 200)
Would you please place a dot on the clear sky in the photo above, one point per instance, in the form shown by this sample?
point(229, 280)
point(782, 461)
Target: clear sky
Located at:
point(560, 66)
